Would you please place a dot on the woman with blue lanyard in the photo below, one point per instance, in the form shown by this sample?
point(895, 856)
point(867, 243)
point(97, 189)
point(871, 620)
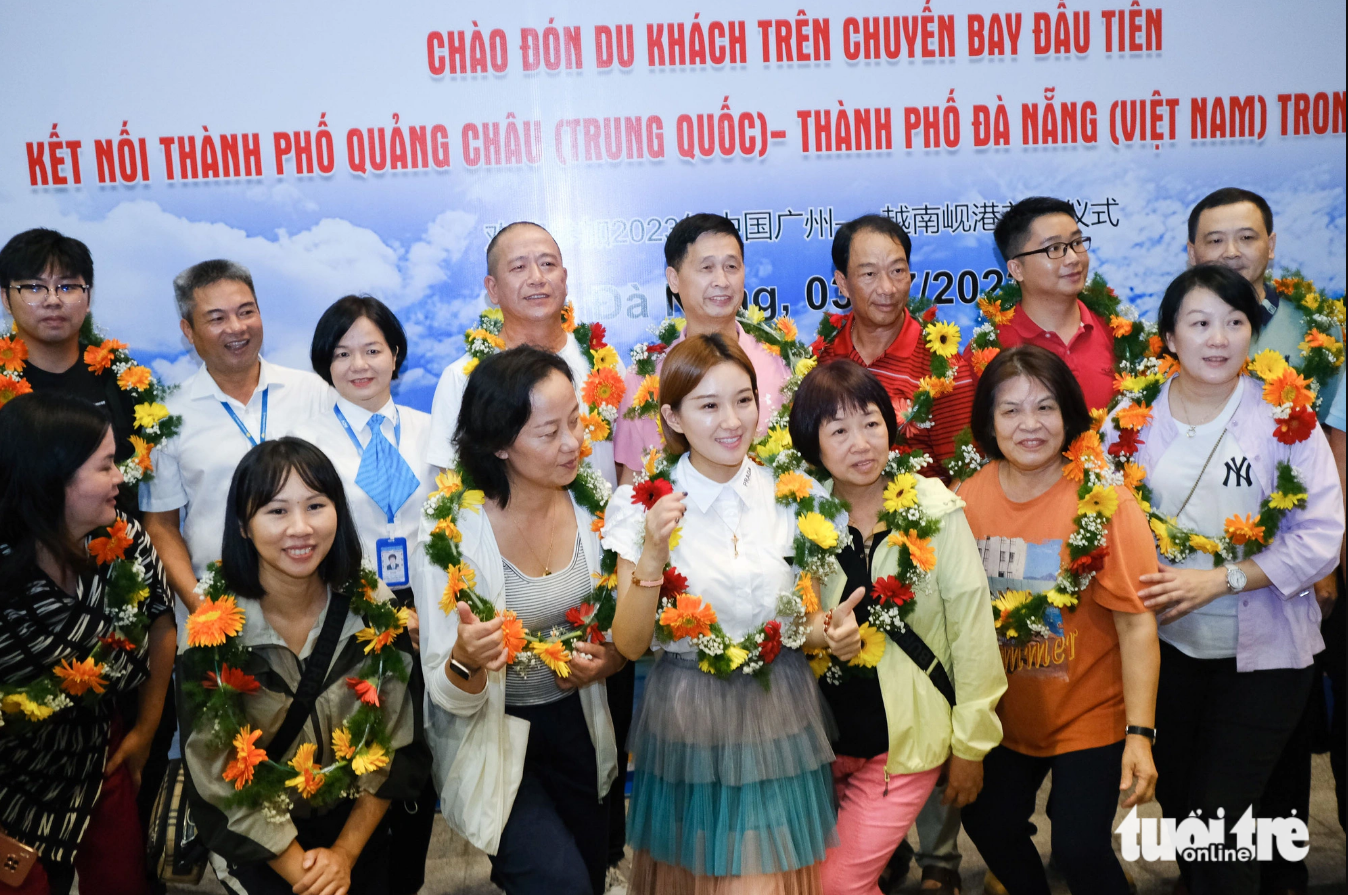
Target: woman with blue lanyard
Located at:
point(379, 450)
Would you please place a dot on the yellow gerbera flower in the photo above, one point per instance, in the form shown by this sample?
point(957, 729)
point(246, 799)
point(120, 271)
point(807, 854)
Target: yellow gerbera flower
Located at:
point(943, 339)
point(341, 743)
point(1162, 532)
point(675, 536)
point(1281, 501)
point(469, 367)
point(819, 661)
point(793, 484)
point(448, 483)
point(21, 702)
point(1204, 545)
point(901, 493)
point(371, 758)
point(872, 646)
point(736, 655)
point(473, 500)
point(1060, 599)
point(778, 439)
point(607, 356)
point(1102, 499)
point(1008, 600)
point(147, 416)
point(1267, 364)
point(818, 529)
point(805, 365)
point(553, 654)
point(755, 314)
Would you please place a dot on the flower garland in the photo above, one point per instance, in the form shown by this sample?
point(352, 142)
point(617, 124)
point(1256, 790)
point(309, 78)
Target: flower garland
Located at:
point(646, 402)
point(1019, 615)
point(1321, 354)
point(124, 594)
point(1291, 400)
point(589, 620)
point(942, 341)
point(1135, 344)
point(216, 685)
point(683, 615)
point(603, 388)
point(152, 421)
point(911, 529)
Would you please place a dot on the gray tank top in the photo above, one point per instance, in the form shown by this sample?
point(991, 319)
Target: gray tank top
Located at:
point(541, 604)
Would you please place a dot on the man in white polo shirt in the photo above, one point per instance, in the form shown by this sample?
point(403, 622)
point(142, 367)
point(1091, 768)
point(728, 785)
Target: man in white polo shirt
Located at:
point(235, 401)
point(526, 280)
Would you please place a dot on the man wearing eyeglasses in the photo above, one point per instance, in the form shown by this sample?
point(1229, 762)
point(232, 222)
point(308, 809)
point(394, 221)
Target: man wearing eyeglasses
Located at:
point(47, 281)
point(1048, 257)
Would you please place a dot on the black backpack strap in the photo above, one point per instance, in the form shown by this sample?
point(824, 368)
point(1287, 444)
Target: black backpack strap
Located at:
point(312, 677)
point(925, 659)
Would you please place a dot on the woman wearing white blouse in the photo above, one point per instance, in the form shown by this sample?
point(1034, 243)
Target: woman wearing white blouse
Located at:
point(379, 450)
point(733, 789)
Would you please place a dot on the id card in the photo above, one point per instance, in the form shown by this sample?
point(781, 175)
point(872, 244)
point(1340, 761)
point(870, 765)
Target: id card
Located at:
point(392, 553)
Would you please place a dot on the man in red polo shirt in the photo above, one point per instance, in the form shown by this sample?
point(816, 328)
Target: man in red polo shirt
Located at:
point(870, 257)
point(1046, 254)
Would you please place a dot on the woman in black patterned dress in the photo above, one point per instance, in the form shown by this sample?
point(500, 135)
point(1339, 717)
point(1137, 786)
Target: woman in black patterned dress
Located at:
point(84, 620)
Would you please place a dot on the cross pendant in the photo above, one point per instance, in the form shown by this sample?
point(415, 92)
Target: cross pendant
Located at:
point(735, 542)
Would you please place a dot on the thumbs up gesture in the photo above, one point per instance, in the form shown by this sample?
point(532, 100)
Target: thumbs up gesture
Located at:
point(842, 633)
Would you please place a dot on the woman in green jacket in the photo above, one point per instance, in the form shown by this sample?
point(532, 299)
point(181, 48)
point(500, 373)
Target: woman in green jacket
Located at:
point(918, 703)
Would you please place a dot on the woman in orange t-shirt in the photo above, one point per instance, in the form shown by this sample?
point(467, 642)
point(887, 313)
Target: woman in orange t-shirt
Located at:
point(1081, 693)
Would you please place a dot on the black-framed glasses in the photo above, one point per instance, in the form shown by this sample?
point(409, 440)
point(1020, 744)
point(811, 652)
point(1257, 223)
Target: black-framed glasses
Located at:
point(36, 293)
point(1059, 249)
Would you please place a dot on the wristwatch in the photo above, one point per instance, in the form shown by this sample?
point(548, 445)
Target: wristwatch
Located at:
point(1148, 732)
point(1235, 578)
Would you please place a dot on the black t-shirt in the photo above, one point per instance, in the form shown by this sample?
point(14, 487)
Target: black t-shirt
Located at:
point(100, 389)
point(858, 708)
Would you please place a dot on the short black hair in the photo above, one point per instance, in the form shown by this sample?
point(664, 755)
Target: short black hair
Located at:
point(1218, 279)
point(340, 316)
point(830, 389)
point(45, 437)
point(207, 273)
point(686, 232)
point(258, 478)
point(496, 405)
point(1041, 365)
point(1014, 227)
point(32, 253)
point(875, 223)
point(491, 246)
point(1229, 195)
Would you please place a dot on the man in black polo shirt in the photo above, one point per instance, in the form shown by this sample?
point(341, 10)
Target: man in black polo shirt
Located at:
point(47, 284)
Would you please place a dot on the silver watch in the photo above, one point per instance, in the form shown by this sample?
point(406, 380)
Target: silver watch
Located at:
point(1235, 578)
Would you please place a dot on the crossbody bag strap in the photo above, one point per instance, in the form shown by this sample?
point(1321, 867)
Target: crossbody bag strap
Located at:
point(311, 678)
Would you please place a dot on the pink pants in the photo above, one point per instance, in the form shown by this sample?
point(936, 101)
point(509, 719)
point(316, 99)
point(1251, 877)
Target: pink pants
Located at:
point(871, 821)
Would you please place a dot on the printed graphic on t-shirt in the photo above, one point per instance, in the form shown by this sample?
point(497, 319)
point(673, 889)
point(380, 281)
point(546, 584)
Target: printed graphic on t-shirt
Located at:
point(1012, 565)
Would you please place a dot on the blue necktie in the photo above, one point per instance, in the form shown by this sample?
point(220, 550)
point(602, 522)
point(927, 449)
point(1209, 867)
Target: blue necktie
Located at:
point(383, 473)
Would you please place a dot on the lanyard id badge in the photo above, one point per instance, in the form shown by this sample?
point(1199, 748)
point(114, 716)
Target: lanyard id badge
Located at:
point(392, 555)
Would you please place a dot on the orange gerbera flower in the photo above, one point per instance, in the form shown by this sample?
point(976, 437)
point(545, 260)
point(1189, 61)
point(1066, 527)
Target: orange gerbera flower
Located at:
point(13, 353)
point(142, 455)
point(246, 757)
point(649, 390)
point(595, 426)
point(920, 550)
point(1098, 417)
point(380, 639)
point(808, 598)
point(604, 386)
point(447, 528)
point(367, 692)
point(793, 484)
point(597, 523)
point(105, 550)
point(1288, 387)
point(231, 678)
point(981, 357)
point(1241, 529)
point(512, 635)
point(309, 780)
point(1284, 285)
point(938, 386)
point(461, 577)
point(448, 483)
point(134, 377)
point(12, 388)
point(341, 743)
point(994, 312)
point(1086, 449)
point(1120, 327)
point(214, 621)
point(1155, 345)
point(688, 617)
point(569, 317)
point(787, 327)
point(1134, 416)
point(1167, 366)
point(1133, 475)
point(99, 357)
point(554, 655)
point(77, 677)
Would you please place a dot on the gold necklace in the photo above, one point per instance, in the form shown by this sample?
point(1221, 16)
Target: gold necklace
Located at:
point(552, 535)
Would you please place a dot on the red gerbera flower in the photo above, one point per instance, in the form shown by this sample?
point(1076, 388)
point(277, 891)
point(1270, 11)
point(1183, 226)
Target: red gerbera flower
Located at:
point(837, 320)
point(674, 583)
point(772, 641)
point(657, 348)
point(233, 678)
point(596, 336)
point(891, 590)
point(580, 615)
point(365, 690)
point(1297, 427)
point(1091, 562)
point(817, 346)
point(1127, 444)
point(930, 314)
point(648, 492)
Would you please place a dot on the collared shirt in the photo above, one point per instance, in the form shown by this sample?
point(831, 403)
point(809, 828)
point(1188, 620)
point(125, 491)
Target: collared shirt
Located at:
point(633, 438)
point(193, 469)
point(1089, 354)
point(449, 399)
point(735, 545)
point(1283, 332)
point(1279, 625)
point(900, 368)
point(244, 834)
point(326, 431)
